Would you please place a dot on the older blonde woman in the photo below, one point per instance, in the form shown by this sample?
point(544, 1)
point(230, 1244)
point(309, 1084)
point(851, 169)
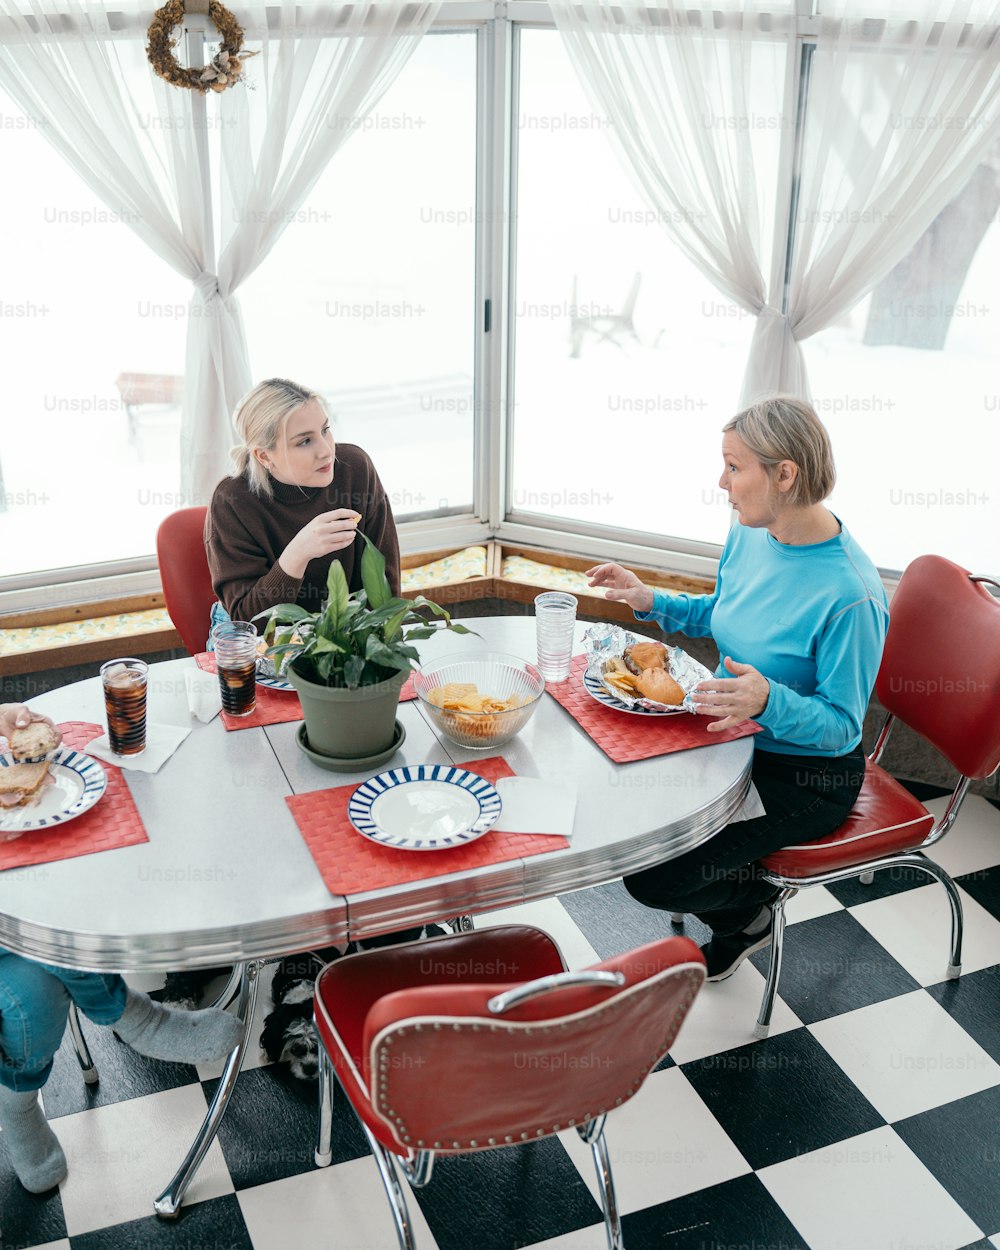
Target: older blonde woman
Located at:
point(294, 504)
point(800, 616)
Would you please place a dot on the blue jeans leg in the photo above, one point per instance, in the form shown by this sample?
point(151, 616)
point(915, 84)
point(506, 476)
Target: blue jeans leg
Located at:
point(34, 1004)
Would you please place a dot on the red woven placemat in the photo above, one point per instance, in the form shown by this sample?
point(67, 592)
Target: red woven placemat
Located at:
point(275, 707)
point(625, 738)
point(349, 864)
point(112, 822)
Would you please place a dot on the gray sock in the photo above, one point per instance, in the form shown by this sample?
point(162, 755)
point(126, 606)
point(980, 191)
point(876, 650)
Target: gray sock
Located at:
point(32, 1147)
point(759, 922)
point(181, 1036)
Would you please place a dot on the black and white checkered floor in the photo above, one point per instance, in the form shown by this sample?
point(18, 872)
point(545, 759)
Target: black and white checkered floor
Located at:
point(870, 1119)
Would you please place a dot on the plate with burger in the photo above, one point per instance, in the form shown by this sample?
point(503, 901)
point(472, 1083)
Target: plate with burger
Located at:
point(639, 675)
point(41, 794)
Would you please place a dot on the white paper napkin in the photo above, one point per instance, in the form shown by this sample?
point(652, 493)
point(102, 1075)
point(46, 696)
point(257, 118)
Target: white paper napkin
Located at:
point(161, 742)
point(751, 806)
point(202, 689)
point(531, 805)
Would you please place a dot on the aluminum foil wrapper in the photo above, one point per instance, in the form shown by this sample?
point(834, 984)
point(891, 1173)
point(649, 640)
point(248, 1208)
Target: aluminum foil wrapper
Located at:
point(605, 642)
point(267, 665)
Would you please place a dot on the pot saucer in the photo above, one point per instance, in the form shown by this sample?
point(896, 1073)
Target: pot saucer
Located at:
point(353, 763)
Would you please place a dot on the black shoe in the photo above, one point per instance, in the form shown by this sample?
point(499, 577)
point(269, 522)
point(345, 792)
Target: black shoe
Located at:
point(723, 955)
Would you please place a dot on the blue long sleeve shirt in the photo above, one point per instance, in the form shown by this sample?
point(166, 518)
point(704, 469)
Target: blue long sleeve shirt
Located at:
point(812, 619)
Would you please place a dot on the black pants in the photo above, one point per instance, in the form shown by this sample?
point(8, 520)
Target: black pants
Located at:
point(804, 797)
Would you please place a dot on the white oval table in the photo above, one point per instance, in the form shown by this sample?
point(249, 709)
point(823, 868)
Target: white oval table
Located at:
point(227, 877)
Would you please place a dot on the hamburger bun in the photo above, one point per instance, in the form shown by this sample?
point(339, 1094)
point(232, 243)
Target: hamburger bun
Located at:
point(658, 685)
point(20, 784)
point(34, 741)
point(648, 654)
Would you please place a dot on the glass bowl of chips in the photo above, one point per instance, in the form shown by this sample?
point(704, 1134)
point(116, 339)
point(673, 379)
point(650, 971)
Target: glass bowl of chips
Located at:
point(482, 701)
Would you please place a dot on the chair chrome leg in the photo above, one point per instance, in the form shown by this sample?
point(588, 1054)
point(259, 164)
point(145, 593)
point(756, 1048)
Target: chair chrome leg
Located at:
point(676, 917)
point(593, 1133)
point(763, 1025)
point(324, 1153)
point(168, 1204)
point(393, 1190)
point(89, 1069)
point(957, 919)
point(866, 878)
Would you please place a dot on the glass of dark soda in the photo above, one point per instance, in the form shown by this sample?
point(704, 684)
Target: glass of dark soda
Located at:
point(125, 683)
point(236, 662)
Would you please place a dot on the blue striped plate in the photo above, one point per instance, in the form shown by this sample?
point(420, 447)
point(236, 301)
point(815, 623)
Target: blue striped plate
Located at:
point(78, 781)
point(424, 807)
point(273, 683)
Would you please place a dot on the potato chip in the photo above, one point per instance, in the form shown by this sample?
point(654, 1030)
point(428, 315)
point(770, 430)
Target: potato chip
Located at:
point(464, 697)
point(450, 695)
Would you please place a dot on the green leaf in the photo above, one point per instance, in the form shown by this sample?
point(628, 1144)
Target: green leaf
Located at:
point(373, 576)
point(326, 644)
point(284, 614)
point(338, 600)
point(388, 657)
point(354, 667)
point(394, 623)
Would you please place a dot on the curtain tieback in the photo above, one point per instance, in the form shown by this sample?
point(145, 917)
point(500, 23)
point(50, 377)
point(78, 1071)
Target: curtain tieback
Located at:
point(207, 287)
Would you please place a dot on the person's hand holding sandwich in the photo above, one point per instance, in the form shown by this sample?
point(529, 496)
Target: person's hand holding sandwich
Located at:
point(31, 738)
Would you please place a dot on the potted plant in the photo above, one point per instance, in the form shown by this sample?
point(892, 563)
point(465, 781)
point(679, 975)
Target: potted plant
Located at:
point(349, 660)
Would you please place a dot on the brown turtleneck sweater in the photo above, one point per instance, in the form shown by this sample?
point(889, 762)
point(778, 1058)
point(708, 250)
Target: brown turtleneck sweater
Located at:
point(246, 533)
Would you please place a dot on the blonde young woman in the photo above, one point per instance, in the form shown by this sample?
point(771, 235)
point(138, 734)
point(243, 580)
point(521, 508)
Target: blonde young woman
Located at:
point(800, 617)
point(293, 505)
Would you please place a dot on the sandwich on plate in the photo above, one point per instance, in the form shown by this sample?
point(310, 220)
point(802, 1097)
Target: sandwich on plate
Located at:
point(21, 784)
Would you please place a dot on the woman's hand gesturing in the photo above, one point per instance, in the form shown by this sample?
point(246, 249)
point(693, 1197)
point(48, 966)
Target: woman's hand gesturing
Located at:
point(328, 532)
point(622, 585)
point(735, 699)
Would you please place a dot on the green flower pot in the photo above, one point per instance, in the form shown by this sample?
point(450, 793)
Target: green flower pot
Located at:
point(346, 724)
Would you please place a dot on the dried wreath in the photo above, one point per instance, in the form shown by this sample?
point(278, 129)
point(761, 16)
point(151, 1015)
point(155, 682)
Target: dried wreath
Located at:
point(225, 68)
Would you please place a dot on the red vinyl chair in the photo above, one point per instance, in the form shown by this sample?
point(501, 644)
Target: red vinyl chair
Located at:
point(940, 675)
point(187, 583)
point(483, 1039)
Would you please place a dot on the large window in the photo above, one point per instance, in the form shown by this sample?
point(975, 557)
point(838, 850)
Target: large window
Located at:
point(907, 385)
point(91, 319)
point(368, 295)
point(627, 360)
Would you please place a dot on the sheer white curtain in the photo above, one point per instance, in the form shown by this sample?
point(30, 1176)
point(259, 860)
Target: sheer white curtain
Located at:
point(899, 113)
point(143, 146)
point(903, 103)
point(693, 93)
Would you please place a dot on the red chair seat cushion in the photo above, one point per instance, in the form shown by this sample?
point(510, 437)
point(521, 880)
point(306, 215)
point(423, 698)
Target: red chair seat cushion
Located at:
point(886, 819)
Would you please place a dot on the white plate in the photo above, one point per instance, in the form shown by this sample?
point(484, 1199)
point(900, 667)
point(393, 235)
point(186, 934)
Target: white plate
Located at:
point(77, 783)
point(424, 807)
